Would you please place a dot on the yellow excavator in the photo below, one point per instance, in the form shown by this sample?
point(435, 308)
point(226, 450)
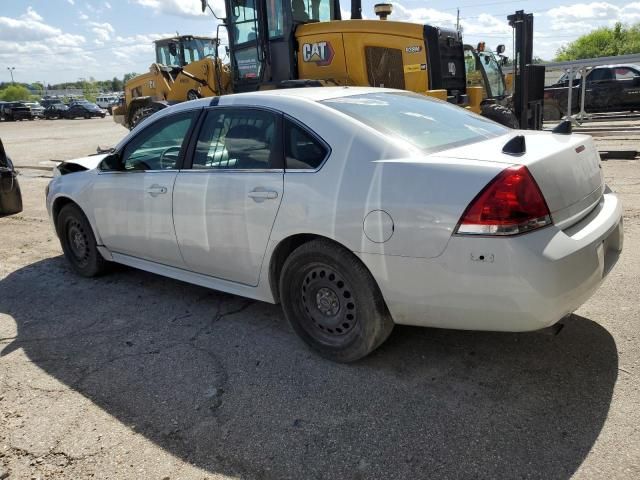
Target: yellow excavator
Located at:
point(299, 43)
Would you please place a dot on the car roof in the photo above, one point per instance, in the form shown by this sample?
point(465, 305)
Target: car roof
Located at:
point(312, 94)
point(618, 65)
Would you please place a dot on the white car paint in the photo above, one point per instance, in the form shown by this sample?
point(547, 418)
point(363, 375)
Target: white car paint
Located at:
point(206, 230)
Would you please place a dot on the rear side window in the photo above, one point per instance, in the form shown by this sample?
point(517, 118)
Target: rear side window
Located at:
point(624, 73)
point(302, 149)
point(239, 138)
point(425, 123)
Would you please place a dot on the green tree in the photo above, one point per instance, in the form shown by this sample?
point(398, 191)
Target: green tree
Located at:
point(116, 85)
point(14, 92)
point(128, 76)
point(89, 90)
point(603, 42)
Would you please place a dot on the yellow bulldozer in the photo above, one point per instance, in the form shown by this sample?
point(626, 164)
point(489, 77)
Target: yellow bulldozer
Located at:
point(299, 43)
point(186, 68)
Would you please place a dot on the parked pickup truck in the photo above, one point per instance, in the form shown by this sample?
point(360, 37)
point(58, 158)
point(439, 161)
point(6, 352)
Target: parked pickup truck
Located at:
point(609, 88)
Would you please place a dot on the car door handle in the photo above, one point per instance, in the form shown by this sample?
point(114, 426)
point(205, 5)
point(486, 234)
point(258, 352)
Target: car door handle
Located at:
point(258, 195)
point(155, 190)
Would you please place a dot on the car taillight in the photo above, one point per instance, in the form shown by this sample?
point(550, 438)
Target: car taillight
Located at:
point(510, 204)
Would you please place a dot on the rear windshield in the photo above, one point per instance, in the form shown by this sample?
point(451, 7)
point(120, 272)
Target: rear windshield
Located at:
point(423, 122)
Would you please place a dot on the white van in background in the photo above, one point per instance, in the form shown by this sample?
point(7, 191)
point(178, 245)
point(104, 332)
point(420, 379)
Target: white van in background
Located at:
point(106, 101)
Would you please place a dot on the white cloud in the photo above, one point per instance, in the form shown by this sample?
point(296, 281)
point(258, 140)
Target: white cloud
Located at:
point(27, 27)
point(183, 8)
point(583, 17)
point(71, 2)
point(107, 5)
point(102, 31)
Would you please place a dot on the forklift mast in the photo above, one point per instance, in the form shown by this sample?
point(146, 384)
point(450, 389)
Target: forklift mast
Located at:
point(528, 85)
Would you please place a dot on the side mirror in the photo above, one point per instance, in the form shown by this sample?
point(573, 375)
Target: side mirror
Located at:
point(500, 49)
point(4, 160)
point(110, 163)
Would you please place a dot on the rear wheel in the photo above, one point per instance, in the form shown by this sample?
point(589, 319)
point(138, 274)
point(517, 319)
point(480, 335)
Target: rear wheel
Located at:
point(78, 242)
point(332, 302)
point(500, 114)
point(193, 95)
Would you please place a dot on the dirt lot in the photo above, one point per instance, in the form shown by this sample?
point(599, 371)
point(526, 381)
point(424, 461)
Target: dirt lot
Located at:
point(132, 375)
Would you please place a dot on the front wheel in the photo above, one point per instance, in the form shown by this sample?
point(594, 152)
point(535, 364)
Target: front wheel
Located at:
point(78, 242)
point(332, 302)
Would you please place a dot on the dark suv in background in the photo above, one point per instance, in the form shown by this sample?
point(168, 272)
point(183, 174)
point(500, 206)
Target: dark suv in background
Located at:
point(84, 109)
point(609, 88)
point(12, 111)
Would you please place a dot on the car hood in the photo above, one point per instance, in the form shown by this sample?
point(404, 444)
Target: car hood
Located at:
point(90, 162)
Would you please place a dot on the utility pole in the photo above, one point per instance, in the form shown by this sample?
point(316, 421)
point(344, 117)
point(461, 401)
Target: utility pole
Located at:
point(458, 21)
point(11, 69)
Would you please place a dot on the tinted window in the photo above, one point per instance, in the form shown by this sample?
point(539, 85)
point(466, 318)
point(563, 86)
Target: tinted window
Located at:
point(238, 139)
point(423, 122)
point(600, 74)
point(302, 150)
point(158, 146)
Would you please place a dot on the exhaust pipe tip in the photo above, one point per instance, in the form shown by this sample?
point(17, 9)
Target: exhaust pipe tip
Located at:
point(383, 10)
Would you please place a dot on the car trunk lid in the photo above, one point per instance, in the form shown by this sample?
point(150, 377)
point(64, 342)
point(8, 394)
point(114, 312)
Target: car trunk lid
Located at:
point(566, 167)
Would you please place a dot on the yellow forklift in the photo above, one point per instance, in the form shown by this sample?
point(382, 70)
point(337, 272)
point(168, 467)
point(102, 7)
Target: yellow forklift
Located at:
point(484, 69)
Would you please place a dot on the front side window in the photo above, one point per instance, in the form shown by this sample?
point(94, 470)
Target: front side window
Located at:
point(425, 123)
point(243, 21)
point(302, 150)
point(158, 147)
point(600, 74)
point(245, 139)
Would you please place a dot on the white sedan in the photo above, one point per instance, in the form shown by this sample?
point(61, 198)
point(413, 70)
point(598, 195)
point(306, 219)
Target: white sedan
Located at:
point(356, 208)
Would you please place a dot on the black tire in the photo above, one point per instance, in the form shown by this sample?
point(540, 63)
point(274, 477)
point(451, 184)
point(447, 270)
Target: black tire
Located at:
point(332, 302)
point(78, 242)
point(500, 114)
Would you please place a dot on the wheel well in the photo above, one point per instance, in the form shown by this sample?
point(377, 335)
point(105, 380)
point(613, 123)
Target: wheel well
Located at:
point(57, 206)
point(282, 252)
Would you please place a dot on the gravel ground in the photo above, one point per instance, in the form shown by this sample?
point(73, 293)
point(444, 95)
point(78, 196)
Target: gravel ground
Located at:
point(132, 375)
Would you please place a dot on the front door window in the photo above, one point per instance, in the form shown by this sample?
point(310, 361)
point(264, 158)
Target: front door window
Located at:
point(159, 146)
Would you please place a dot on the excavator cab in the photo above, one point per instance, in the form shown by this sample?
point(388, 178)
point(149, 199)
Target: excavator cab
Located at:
point(262, 38)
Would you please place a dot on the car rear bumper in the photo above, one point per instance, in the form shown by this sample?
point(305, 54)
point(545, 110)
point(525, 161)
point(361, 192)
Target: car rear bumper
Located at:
point(520, 283)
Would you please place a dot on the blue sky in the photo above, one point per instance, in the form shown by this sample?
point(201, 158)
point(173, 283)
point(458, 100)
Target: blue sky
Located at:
point(64, 40)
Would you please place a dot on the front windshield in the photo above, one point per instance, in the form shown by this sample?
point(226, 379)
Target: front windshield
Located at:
point(494, 75)
point(166, 55)
point(198, 48)
point(423, 122)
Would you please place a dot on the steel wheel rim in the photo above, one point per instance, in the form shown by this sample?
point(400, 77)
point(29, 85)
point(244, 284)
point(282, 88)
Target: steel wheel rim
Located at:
point(78, 242)
point(328, 303)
